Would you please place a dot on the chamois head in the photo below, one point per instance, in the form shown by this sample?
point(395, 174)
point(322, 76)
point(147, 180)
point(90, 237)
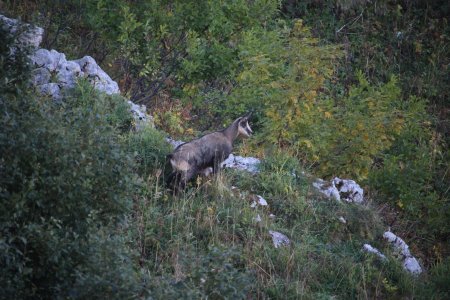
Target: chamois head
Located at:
point(243, 127)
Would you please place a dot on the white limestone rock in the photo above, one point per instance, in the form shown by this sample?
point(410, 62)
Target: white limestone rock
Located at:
point(26, 35)
point(261, 200)
point(67, 72)
point(327, 188)
point(258, 201)
point(97, 76)
point(40, 76)
point(279, 239)
point(257, 219)
point(51, 89)
point(51, 60)
point(342, 220)
point(341, 189)
point(250, 164)
point(410, 263)
point(368, 248)
point(141, 118)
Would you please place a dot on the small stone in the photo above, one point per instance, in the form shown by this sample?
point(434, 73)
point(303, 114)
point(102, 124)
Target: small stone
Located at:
point(97, 76)
point(410, 263)
point(342, 220)
point(370, 249)
point(341, 189)
point(261, 201)
point(279, 239)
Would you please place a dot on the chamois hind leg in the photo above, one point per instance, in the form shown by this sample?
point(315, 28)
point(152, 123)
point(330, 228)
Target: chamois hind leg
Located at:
point(178, 181)
point(187, 176)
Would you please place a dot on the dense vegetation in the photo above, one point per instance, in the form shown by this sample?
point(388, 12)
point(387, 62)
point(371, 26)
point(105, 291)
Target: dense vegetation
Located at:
point(347, 88)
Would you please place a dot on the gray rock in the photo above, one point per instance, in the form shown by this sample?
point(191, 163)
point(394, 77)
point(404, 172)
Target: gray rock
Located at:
point(141, 118)
point(97, 76)
point(250, 164)
point(26, 35)
point(51, 60)
point(368, 248)
point(257, 219)
point(40, 76)
point(174, 143)
point(342, 220)
point(67, 72)
point(410, 263)
point(279, 239)
point(50, 89)
point(341, 189)
point(260, 201)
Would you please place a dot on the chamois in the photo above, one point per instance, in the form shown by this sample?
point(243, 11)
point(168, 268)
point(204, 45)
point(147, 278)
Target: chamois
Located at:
point(209, 151)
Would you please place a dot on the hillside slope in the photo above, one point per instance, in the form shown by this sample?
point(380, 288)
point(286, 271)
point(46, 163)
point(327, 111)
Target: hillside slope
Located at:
point(85, 214)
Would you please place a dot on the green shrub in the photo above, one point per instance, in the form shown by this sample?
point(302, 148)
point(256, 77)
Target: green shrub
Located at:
point(405, 174)
point(66, 183)
point(150, 149)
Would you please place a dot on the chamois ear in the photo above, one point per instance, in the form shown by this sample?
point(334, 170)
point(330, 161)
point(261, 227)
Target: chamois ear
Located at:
point(248, 115)
point(245, 117)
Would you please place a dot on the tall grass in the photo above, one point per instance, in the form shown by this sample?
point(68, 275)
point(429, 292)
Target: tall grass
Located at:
point(206, 243)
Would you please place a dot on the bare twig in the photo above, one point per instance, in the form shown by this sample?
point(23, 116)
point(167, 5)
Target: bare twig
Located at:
point(351, 22)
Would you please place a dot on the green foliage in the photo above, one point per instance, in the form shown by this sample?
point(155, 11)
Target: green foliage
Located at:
point(405, 174)
point(284, 78)
point(65, 181)
point(69, 229)
point(188, 41)
point(150, 149)
point(440, 278)
point(367, 122)
point(410, 40)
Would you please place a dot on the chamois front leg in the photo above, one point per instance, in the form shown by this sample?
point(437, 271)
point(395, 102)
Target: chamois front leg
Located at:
point(218, 160)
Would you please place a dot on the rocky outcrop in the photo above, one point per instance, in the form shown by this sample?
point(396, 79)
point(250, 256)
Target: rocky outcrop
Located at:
point(26, 35)
point(53, 74)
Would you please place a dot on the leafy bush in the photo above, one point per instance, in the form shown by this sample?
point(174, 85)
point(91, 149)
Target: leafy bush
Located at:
point(150, 149)
point(405, 174)
point(65, 181)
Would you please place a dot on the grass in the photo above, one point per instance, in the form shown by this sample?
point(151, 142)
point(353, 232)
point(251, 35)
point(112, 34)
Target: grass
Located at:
point(206, 243)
